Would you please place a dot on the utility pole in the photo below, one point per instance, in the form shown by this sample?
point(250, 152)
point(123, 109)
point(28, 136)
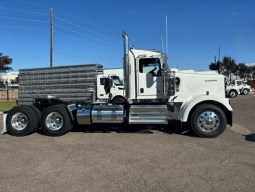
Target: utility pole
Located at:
point(7, 89)
point(51, 38)
point(219, 53)
point(219, 61)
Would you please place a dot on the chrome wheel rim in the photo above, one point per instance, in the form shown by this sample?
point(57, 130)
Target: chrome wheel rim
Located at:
point(245, 92)
point(19, 121)
point(232, 94)
point(54, 121)
point(208, 121)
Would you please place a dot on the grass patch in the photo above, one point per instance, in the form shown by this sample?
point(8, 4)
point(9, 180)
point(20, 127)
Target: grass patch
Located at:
point(6, 105)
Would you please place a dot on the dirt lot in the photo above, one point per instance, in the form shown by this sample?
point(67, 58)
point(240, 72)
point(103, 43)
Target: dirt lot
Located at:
point(163, 160)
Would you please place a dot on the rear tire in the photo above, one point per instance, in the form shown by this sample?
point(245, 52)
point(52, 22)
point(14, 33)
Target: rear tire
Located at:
point(208, 121)
point(21, 121)
point(232, 93)
point(38, 115)
point(55, 121)
point(72, 123)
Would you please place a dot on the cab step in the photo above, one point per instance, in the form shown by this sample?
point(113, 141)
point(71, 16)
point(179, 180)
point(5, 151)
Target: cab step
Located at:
point(148, 114)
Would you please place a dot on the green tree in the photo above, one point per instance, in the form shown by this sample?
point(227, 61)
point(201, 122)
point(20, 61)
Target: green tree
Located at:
point(216, 66)
point(244, 71)
point(237, 72)
point(4, 62)
point(249, 71)
point(241, 69)
point(253, 72)
point(213, 66)
point(229, 66)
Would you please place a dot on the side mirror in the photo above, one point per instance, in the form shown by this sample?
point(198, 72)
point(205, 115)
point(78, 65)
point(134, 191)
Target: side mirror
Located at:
point(108, 84)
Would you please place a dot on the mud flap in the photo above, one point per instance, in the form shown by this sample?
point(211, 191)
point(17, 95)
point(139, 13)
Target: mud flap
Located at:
point(4, 124)
point(230, 118)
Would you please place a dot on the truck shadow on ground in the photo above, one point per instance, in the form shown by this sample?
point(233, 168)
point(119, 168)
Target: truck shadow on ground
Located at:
point(250, 137)
point(173, 128)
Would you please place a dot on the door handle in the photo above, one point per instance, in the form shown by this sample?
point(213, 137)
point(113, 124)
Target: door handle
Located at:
point(141, 90)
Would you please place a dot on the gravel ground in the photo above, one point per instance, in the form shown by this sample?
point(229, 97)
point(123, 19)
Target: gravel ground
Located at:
point(164, 159)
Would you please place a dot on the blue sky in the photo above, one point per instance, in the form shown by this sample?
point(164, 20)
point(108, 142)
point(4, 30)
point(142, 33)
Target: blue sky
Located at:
point(90, 31)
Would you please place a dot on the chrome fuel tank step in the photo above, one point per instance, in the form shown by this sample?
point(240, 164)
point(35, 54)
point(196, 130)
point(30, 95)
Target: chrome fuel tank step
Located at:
point(83, 115)
point(148, 114)
point(107, 114)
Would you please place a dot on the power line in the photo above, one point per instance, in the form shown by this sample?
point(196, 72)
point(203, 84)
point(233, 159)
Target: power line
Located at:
point(32, 3)
point(84, 28)
point(22, 27)
point(23, 11)
point(70, 55)
point(22, 19)
point(83, 34)
point(93, 25)
point(86, 42)
point(87, 22)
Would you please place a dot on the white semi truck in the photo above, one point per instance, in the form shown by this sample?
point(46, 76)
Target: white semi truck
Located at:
point(238, 87)
point(116, 91)
point(151, 94)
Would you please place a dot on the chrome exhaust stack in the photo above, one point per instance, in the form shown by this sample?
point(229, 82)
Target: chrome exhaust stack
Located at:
point(126, 66)
point(126, 43)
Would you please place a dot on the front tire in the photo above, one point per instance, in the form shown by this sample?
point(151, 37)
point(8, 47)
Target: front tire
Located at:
point(20, 121)
point(233, 93)
point(208, 121)
point(118, 100)
point(55, 121)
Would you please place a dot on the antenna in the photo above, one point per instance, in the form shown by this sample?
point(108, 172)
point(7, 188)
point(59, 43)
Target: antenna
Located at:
point(162, 44)
point(166, 38)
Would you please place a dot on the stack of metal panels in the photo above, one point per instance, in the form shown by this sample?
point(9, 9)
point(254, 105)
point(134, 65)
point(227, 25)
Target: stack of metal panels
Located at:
point(68, 83)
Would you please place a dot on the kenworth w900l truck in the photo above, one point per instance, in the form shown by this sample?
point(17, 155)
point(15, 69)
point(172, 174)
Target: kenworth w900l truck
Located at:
point(151, 94)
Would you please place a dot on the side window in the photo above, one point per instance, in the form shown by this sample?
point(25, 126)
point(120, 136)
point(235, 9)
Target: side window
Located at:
point(102, 81)
point(151, 66)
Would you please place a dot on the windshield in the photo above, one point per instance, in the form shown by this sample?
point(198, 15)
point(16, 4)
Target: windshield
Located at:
point(239, 83)
point(117, 81)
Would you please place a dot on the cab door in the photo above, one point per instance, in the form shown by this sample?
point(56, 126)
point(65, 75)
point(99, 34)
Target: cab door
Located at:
point(149, 76)
point(101, 94)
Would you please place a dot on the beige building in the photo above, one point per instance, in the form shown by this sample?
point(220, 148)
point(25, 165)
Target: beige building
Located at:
point(10, 76)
